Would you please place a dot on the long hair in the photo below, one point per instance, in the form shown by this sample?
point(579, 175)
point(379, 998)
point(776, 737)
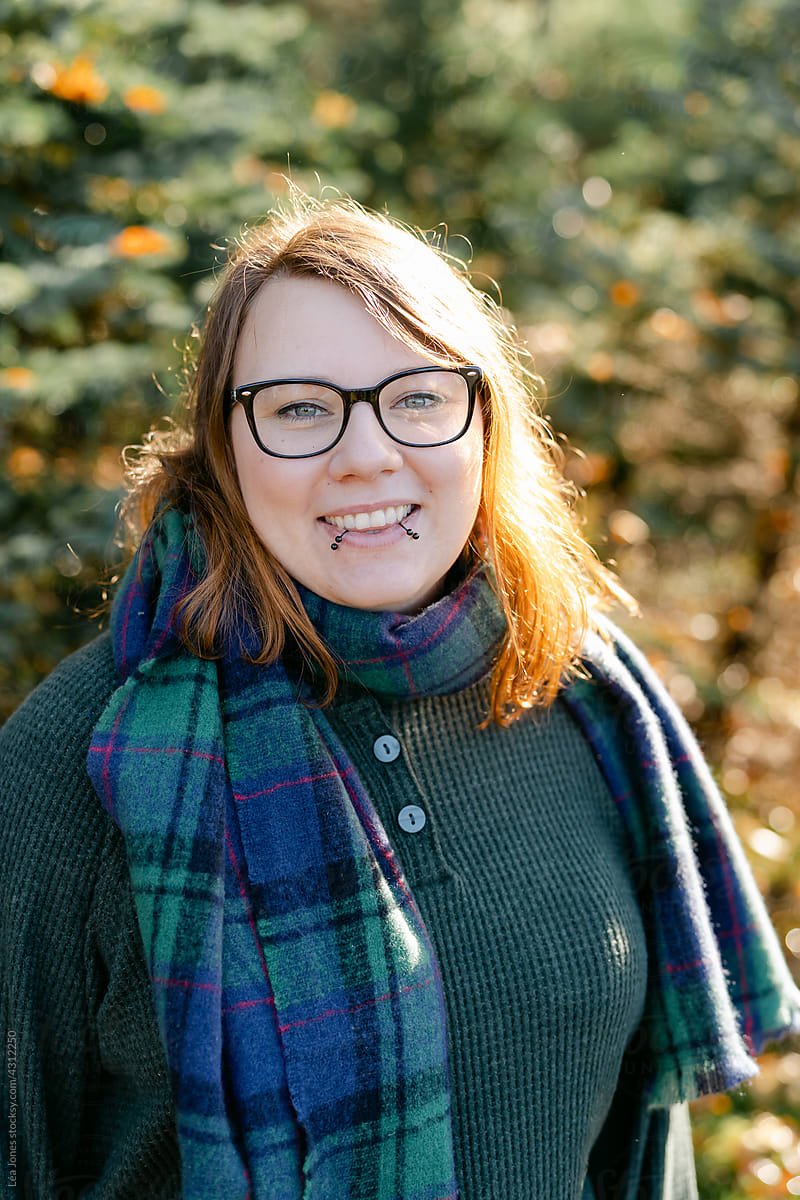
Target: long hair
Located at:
point(548, 580)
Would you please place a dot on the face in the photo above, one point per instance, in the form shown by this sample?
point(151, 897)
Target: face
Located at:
point(311, 328)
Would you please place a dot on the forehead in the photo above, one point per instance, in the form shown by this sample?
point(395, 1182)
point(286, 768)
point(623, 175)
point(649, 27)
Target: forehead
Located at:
point(309, 327)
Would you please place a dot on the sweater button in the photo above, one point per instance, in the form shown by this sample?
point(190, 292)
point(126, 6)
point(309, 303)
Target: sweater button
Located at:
point(411, 818)
point(386, 748)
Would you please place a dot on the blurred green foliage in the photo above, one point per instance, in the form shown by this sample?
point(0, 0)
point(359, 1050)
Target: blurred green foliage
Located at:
point(623, 178)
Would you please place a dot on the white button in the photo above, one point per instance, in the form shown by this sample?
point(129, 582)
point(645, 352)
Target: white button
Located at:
point(411, 818)
point(386, 748)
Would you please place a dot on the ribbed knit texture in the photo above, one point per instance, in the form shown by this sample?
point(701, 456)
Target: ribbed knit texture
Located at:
point(94, 1103)
point(93, 1096)
point(524, 888)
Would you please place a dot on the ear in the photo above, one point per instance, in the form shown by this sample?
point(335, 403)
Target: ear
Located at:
point(478, 540)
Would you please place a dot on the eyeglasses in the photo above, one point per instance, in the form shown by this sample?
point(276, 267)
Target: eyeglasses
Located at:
point(300, 418)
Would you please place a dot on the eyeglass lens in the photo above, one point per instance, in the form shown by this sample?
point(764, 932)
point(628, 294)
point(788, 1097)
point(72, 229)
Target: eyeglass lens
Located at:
point(296, 419)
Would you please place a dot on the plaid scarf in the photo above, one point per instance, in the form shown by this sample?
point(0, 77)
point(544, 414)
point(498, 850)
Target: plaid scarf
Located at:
point(295, 986)
point(296, 989)
point(718, 989)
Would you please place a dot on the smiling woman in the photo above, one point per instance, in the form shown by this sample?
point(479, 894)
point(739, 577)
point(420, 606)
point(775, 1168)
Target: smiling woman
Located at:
point(311, 326)
point(387, 869)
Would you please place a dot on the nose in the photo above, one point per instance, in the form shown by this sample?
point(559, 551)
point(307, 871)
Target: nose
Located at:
point(365, 448)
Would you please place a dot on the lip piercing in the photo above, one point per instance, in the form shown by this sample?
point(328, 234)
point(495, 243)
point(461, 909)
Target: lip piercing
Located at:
point(337, 540)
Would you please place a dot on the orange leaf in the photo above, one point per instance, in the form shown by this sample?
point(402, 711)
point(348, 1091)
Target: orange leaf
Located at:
point(79, 82)
point(135, 241)
point(20, 378)
point(624, 293)
point(144, 98)
point(25, 463)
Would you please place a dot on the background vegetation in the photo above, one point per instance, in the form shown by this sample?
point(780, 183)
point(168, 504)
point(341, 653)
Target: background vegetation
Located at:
point(625, 174)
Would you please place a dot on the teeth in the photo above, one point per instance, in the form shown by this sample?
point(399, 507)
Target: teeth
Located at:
point(378, 519)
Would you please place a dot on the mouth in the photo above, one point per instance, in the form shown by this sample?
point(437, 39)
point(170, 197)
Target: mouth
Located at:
point(378, 518)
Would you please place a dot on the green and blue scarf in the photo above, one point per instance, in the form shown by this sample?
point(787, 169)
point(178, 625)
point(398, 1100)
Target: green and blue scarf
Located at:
point(296, 989)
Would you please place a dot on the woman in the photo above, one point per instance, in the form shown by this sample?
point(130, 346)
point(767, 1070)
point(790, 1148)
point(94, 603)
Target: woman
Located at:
point(385, 876)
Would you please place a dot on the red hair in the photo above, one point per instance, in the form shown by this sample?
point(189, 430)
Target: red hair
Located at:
point(548, 579)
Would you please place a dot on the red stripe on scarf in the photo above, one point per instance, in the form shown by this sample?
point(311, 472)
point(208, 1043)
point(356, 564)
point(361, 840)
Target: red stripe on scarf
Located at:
point(341, 1012)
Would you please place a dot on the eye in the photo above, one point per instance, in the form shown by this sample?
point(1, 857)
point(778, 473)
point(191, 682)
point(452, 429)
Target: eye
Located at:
point(418, 401)
point(303, 410)
point(290, 403)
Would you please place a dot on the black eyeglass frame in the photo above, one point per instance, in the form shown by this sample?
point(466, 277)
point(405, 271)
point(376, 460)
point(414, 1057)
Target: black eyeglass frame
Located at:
point(246, 392)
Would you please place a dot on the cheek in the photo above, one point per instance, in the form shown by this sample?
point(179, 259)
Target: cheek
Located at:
point(277, 494)
point(256, 480)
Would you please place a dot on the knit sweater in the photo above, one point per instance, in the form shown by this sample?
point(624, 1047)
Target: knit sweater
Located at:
point(535, 1090)
point(515, 852)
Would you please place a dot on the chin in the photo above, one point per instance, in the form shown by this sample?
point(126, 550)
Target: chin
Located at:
point(384, 599)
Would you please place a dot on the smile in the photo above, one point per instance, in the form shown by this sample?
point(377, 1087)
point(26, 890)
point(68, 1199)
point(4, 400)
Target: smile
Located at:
point(378, 519)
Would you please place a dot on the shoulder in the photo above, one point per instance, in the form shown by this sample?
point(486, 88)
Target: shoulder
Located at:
point(65, 705)
point(618, 684)
point(46, 798)
point(86, 673)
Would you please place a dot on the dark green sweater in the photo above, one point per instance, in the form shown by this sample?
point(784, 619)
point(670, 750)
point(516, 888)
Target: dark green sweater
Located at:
point(520, 874)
